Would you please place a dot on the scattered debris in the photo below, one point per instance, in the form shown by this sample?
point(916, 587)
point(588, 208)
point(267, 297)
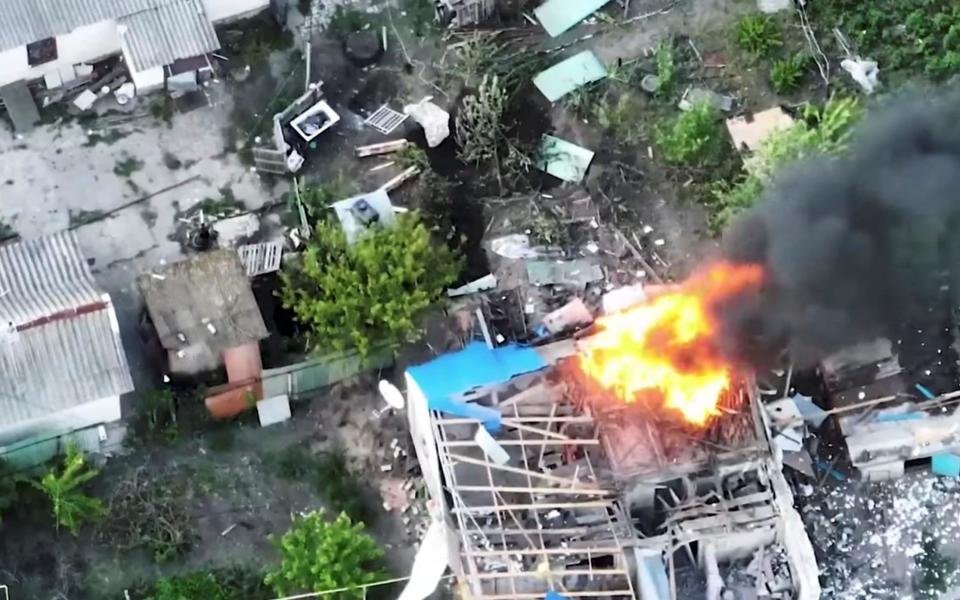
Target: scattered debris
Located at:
point(864, 72)
point(381, 148)
point(577, 273)
point(557, 16)
point(385, 119)
point(358, 213)
point(568, 75)
point(434, 120)
point(693, 96)
point(749, 131)
point(487, 282)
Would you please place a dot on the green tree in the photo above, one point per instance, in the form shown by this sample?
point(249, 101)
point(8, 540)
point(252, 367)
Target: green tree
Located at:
point(320, 555)
point(71, 507)
point(373, 292)
point(195, 586)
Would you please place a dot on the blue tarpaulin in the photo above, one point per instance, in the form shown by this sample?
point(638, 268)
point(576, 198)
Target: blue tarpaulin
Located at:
point(444, 378)
point(946, 464)
point(555, 596)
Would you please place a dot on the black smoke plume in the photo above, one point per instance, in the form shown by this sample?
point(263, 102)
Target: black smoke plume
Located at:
point(855, 247)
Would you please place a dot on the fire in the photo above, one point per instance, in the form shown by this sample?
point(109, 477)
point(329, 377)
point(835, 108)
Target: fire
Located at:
point(666, 348)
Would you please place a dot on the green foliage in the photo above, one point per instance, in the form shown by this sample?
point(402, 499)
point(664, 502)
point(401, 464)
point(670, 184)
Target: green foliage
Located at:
point(786, 74)
point(348, 20)
point(318, 555)
point(666, 68)
point(820, 131)
point(757, 34)
point(71, 507)
point(421, 14)
point(619, 117)
point(480, 127)
point(693, 138)
point(155, 420)
point(195, 586)
point(375, 291)
point(317, 198)
point(482, 56)
point(341, 488)
point(905, 37)
point(584, 100)
point(412, 156)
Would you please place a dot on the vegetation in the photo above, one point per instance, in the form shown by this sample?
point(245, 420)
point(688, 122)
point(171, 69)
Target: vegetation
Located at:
point(619, 117)
point(787, 73)
point(341, 488)
point(373, 292)
point(162, 109)
point(148, 511)
point(421, 15)
point(666, 69)
point(71, 507)
point(317, 198)
point(694, 138)
point(412, 156)
point(348, 20)
point(318, 555)
point(480, 126)
point(908, 37)
point(9, 487)
point(820, 131)
point(127, 166)
point(482, 56)
point(757, 35)
point(935, 572)
point(195, 586)
point(155, 420)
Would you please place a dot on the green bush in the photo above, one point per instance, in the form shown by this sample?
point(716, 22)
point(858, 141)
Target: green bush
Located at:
point(318, 555)
point(757, 35)
point(619, 117)
point(693, 138)
point(376, 291)
point(821, 131)
point(155, 419)
point(71, 507)
point(196, 586)
point(318, 197)
point(786, 74)
point(666, 69)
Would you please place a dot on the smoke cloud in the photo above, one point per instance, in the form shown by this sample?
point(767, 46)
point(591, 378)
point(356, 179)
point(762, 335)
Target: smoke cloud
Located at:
point(857, 246)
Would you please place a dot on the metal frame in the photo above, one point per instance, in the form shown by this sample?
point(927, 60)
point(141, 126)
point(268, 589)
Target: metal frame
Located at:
point(526, 529)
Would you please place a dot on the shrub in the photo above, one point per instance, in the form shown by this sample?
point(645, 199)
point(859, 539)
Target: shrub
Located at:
point(196, 586)
point(666, 69)
point(693, 138)
point(318, 555)
point(155, 420)
point(820, 131)
point(786, 74)
point(620, 117)
point(317, 198)
point(757, 35)
point(71, 507)
point(480, 127)
point(376, 291)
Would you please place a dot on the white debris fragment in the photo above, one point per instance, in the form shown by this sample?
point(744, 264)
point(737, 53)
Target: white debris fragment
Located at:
point(864, 72)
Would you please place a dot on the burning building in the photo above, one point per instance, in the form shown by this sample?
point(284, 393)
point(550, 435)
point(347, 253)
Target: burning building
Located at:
point(633, 462)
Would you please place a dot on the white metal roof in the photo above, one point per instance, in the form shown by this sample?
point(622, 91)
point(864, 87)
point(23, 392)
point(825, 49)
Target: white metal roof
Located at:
point(157, 31)
point(167, 32)
point(60, 342)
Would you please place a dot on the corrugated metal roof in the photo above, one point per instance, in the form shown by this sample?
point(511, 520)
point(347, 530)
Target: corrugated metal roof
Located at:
point(61, 346)
point(25, 21)
point(161, 35)
point(43, 277)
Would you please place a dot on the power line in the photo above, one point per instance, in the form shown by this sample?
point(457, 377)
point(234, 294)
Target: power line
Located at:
point(352, 587)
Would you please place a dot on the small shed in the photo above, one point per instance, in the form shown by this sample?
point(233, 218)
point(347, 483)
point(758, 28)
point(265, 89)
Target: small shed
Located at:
point(201, 307)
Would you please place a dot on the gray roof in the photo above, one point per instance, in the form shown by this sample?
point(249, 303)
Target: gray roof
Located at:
point(60, 344)
point(161, 35)
point(207, 299)
point(158, 29)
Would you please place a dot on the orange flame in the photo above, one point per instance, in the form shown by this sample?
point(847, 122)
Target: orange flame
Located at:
point(666, 348)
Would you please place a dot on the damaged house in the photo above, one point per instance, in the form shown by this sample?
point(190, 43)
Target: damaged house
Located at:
point(551, 486)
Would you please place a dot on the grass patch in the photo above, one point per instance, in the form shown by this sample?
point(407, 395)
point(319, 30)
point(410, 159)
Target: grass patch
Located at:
point(341, 489)
point(227, 204)
point(162, 109)
point(758, 35)
point(108, 137)
point(693, 138)
point(787, 74)
point(78, 218)
point(127, 166)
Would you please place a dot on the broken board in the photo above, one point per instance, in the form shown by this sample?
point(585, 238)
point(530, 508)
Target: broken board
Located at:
point(557, 16)
point(570, 74)
point(562, 159)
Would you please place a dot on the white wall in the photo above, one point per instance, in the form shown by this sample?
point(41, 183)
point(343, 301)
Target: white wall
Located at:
point(84, 44)
point(105, 410)
point(223, 10)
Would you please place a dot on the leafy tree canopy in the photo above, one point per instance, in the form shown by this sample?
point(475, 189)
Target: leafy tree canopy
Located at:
point(373, 292)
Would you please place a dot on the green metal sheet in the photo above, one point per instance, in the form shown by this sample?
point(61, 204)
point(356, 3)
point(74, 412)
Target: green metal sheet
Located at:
point(305, 378)
point(557, 16)
point(567, 75)
point(562, 159)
